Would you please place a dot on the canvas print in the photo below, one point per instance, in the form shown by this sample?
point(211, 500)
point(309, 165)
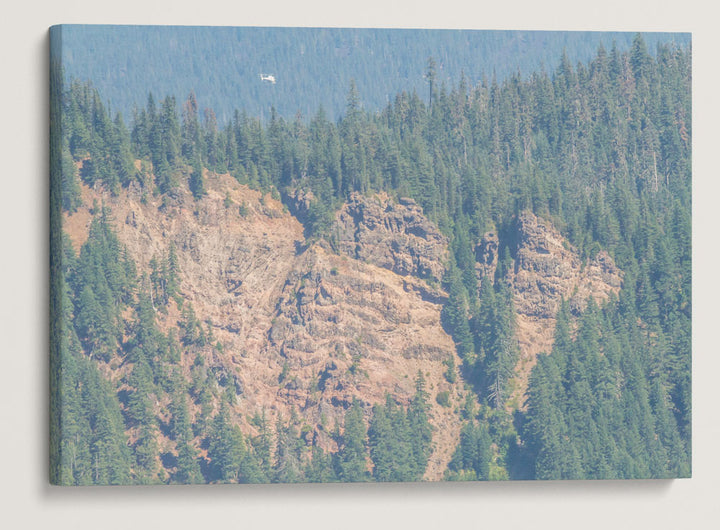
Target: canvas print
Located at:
point(356, 255)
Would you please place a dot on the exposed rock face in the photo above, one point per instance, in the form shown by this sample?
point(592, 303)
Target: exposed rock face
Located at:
point(358, 324)
point(348, 329)
point(486, 255)
point(397, 237)
point(546, 270)
point(299, 200)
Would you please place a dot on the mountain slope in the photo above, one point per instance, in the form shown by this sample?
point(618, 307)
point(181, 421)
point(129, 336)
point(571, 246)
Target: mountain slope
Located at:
point(546, 270)
point(297, 327)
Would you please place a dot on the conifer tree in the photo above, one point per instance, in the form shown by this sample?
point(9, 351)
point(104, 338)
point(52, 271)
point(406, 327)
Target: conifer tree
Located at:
point(226, 447)
point(352, 465)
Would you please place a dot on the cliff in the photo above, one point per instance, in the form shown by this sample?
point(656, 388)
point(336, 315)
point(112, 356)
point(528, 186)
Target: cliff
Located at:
point(546, 269)
point(301, 329)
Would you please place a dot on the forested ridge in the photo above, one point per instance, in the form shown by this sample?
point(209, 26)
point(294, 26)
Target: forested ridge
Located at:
point(602, 149)
point(311, 66)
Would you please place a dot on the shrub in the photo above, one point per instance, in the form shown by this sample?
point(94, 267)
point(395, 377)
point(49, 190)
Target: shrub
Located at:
point(443, 398)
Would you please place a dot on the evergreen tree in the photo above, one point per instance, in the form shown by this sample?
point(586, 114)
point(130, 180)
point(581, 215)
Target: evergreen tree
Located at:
point(456, 319)
point(197, 180)
point(420, 428)
point(288, 453)
point(226, 447)
point(352, 465)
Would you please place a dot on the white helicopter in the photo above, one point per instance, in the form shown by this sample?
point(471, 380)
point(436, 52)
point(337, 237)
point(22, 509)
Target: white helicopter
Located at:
point(270, 78)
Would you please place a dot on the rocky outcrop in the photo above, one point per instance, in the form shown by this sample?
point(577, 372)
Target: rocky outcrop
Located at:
point(296, 327)
point(546, 270)
point(486, 255)
point(348, 329)
point(299, 201)
point(396, 236)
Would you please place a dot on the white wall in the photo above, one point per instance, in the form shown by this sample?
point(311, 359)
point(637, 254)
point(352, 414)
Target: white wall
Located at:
point(26, 501)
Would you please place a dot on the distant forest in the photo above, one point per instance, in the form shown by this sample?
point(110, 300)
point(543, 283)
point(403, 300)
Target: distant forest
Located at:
point(313, 67)
point(601, 147)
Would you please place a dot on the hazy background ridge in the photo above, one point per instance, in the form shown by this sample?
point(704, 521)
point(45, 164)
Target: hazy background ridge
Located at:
point(312, 66)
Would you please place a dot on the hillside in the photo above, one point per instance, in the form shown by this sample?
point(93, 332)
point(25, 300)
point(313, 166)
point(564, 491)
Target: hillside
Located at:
point(301, 329)
point(493, 285)
point(312, 66)
point(337, 328)
point(547, 270)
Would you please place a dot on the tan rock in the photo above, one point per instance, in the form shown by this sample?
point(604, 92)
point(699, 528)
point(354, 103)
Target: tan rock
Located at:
point(395, 236)
point(358, 324)
point(546, 270)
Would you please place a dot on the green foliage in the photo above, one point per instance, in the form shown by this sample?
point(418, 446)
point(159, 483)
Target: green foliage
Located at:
point(190, 327)
point(288, 453)
point(598, 409)
point(99, 144)
point(188, 466)
point(102, 280)
point(603, 149)
point(91, 444)
point(284, 372)
point(420, 428)
point(319, 219)
point(93, 440)
point(495, 333)
point(443, 398)
point(226, 447)
point(389, 443)
point(456, 317)
point(140, 400)
point(400, 440)
point(471, 459)
point(367, 55)
point(261, 444)
point(69, 182)
point(352, 455)
point(164, 278)
point(320, 468)
point(197, 180)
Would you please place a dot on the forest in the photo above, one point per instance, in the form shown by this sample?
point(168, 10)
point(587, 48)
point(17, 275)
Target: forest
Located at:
point(601, 148)
point(312, 66)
